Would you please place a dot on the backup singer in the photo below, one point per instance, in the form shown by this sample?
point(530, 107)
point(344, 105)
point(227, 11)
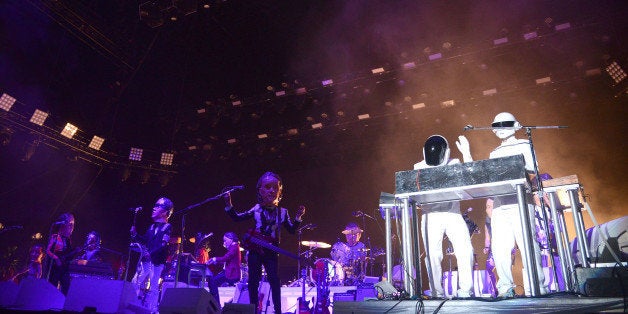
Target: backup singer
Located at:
point(154, 252)
point(60, 252)
point(268, 218)
point(445, 218)
point(232, 260)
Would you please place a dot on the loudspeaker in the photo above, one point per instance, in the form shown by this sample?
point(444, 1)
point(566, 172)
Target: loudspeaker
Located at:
point(365, 291)
point(38, 295)
point(235, 308)
point(241, 294)
point(101, 295)
point(188, 301)
point(601, 281)
point(8, 293)
point(385, 290)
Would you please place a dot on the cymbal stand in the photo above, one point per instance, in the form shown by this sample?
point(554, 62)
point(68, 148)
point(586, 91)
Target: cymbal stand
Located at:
point(128, 259)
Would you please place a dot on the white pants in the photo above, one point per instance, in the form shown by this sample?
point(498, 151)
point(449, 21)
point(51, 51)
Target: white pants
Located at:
point(148, 271)
point(456, 229)
point(506, 231)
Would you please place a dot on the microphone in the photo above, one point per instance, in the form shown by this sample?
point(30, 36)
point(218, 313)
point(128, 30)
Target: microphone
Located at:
point(358, 213)
point(311, 226)
point(468, 127)
point(236, 187)
point(136, 209)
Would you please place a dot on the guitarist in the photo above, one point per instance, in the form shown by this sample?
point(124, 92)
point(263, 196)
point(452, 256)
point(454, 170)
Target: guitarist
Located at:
point(268, 217)
point(60, 251)
point(155, 252)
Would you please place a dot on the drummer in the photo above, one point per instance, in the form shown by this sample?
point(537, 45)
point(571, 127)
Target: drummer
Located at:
point(351, 254)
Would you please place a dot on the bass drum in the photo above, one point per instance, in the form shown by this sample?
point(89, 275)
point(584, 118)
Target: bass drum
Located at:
point(327, 272)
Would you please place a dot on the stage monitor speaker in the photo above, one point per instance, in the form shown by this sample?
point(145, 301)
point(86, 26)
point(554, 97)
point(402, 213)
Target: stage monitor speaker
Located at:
point(8, 293)
point(365, 292)
point(188, 301)
point(385, 290)
point(38, 295)
point(235, 308)
point(100, 295)
point(241, 294)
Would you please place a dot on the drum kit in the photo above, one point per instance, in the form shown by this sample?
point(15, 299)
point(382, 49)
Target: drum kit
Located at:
point(347, 266)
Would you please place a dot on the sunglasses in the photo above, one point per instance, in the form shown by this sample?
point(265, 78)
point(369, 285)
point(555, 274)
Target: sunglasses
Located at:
point(503, 124)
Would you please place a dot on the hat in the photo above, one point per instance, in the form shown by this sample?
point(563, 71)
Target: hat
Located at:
point(352, 228)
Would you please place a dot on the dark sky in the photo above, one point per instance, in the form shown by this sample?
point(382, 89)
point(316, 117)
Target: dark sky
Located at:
point(138, 86)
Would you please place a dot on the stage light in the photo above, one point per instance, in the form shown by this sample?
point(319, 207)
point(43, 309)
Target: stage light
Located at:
point(489, 92)
point(39, 117)
point(69, 130)
point(448, 103)
point(377, 71)
point(563, 26)
point(262, 136)
point(409, 65)
point(418, 106)
point(435, 56)
point(232, 141)
point(280, 93)
point(364, 116)
point(292, 132)
point(593, 72)
point(201, 110)
point(166, 159)
point(317, 126)
point(6, 102)
point(500, 41)
point(530, 35)
point(301, 90)
point(136, 154)
point(327, 82)
point(616, 72)
point(236, 103)
point(543, 80)
point(96, 142)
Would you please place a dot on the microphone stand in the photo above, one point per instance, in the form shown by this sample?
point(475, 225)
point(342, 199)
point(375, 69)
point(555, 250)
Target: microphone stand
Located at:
point(183, 212)
point(128, 260)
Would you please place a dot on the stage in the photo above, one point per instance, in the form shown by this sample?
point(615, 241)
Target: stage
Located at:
point(112, 296)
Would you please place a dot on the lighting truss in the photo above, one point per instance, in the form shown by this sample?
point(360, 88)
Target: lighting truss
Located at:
point(166, 159)
point(6, 102)
point(39, 117)
point(69, 130)
point(135, 154)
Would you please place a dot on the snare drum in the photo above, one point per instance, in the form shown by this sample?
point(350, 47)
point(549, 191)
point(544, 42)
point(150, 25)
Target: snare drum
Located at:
point(327, 272)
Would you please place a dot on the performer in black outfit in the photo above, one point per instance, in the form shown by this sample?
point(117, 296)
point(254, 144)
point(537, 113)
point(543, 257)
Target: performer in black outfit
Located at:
point(60, 251)
point(154, 251)
point(269, 218)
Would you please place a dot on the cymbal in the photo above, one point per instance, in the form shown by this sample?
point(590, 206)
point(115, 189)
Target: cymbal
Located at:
point(316, 244)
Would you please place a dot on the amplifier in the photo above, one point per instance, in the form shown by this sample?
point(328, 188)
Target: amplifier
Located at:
point(344, 296)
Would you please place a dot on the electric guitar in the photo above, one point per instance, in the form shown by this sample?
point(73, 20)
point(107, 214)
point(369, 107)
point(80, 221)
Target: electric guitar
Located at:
point(304, 306)
point(255, 241)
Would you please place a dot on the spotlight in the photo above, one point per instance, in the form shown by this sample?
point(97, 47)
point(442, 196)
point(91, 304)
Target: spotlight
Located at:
point(327, 82)
point(616, 72)
point(39, 117)
point(6, 102)
point(69, 130)
point(135, 154)
point(96, 142)
point(364, 116)
point(166, 159)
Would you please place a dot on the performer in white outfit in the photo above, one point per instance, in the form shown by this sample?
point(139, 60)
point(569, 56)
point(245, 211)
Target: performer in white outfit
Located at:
point(445, 218)
point(505, 222)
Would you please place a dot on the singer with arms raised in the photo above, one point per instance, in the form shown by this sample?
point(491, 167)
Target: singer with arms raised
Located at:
point(268, 217)
point(154, 251)
point(445, 218)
